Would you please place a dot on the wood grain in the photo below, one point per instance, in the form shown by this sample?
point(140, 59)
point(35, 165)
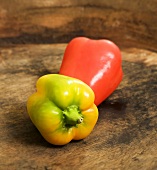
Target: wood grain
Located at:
point(126, 23)
point(124, 137)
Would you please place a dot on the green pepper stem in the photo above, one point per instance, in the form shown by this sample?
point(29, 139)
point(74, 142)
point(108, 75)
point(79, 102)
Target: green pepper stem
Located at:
point(72, 115)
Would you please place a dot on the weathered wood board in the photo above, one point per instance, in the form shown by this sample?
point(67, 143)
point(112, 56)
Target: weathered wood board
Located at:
point(124, 138)
point(52, 21)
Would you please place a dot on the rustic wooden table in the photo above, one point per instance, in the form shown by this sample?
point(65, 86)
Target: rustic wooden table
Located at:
point(125, 136)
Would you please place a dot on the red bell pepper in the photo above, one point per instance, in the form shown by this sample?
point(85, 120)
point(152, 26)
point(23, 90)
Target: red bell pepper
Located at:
point(95, 62)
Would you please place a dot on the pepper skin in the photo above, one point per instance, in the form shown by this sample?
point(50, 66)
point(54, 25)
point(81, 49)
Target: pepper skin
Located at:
point(95, 62)
point(62, 109)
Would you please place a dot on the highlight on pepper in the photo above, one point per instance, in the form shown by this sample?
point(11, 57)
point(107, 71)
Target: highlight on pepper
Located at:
point(62, 109)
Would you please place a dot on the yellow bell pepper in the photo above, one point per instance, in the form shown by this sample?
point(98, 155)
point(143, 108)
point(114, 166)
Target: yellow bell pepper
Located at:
point(62, 109)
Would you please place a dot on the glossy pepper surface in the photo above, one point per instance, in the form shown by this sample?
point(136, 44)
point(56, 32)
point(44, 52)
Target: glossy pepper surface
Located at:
point(62, 109)
point(95, 62)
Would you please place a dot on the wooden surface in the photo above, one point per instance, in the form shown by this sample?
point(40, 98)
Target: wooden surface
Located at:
point(124, 138)
point(52, 21)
